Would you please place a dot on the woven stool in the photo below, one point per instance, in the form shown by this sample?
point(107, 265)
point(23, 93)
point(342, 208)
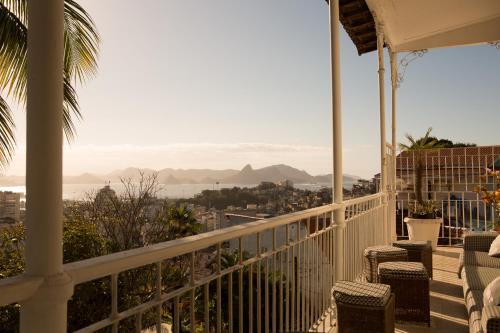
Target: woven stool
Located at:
point(374, 255)
point(364, 307)
point(420, 251)
point(410, 284)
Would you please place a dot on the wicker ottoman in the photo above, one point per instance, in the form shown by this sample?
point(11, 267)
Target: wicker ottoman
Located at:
point(410, 284)
point(364, 307)
point(420, 251)
point(375, 255)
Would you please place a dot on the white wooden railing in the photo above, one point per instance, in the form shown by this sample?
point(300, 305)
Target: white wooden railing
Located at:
point(461, 211)
point(283, 284)
point(449, 179)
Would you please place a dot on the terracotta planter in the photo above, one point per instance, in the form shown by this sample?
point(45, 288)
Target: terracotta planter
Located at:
point(424, 230)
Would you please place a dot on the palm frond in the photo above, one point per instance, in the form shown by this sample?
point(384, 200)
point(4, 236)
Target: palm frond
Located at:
point(81, 42)
point(71, 110)
point(19, 8)
point(13, 52)
point(7, 139)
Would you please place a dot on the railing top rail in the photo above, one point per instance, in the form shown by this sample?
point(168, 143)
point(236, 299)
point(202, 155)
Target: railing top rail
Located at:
point(94, 268)
point(364, 198)
point(22, 287)
point(18, 288)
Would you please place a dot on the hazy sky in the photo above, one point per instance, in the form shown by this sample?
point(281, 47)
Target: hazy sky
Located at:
point(218, 84)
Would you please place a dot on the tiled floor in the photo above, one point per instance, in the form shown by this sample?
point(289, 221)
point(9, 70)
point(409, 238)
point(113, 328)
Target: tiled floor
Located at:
point(448, 312)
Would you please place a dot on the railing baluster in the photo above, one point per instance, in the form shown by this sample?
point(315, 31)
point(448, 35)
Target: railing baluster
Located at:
point(274, 257)
point(192, 314)
point(219, 291)
point(138, 322)
point(292, 291)
point(250, 298)
point(259, 279)
point(240, 285)
point(230, 301)
point(298, 277)
point(266, 294)
point(207, 307)
point(282, 296)
point(287, 278)
point(158, 295)
point(177, 323)
point(114, 301)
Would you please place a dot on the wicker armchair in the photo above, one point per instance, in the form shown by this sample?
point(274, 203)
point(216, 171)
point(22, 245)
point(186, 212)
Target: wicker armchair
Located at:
point(478, 269)
point(490, 319)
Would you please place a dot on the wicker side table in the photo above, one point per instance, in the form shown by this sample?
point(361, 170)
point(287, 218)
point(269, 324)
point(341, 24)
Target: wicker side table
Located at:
point(364, 307)
point(420, 251)
point(410, 284)
point(374, 255)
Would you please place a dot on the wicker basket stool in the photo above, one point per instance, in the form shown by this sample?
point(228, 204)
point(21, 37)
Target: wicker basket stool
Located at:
point(364, 307)
point(410, 284)
point(420, 251)
point(374, 255)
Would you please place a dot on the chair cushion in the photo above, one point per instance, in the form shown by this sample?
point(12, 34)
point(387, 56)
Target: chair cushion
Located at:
point(361, 293)
point(477, 258)
point(491, 294)
point(384, 250)
point(411, 244)
point(477, 278)
point(495, 248)
point(403, 269)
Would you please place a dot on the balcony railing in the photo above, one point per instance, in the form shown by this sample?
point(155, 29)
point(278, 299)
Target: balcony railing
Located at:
point(280, 279)
point(461, 212)
point(449, 179)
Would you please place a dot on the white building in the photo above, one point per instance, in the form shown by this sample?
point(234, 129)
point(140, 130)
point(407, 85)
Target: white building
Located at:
point(10, 206)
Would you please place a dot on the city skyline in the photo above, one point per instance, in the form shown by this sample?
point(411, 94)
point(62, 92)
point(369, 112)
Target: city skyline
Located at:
point(220, 86)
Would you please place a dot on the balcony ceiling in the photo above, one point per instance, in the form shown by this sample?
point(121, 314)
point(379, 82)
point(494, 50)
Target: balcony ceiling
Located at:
point(411, 25)
point(424, 24)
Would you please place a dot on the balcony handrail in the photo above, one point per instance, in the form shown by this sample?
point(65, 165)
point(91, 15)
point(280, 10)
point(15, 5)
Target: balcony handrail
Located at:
point(365, 198)
point(94, 268)
point(18, 288)
point(22, 287)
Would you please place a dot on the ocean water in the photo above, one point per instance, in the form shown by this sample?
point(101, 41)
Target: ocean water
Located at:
point(177, 191)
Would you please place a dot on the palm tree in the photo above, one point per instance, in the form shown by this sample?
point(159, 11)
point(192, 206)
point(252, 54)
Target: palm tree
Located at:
point(81, 42)
point(182, 223)
point(419, 147)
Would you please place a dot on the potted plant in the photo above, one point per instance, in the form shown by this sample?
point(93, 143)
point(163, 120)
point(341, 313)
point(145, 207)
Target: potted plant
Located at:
point(492, 198)
point(423, 219)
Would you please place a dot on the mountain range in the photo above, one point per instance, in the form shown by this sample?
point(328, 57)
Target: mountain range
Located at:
point(245, 176)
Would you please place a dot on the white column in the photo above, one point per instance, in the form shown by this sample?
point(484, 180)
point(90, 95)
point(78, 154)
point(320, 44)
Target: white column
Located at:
point(381, 86)
point(394, 86)
point(46, 310)
point(338, 183)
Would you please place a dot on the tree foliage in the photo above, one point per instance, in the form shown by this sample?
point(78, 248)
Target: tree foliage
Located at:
point(103, 224)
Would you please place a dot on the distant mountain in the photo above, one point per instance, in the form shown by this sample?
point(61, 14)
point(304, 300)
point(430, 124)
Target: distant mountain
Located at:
point(85, 178)
point(245, 176)
point(276, 173)
point(196, 175)
point(116, 175)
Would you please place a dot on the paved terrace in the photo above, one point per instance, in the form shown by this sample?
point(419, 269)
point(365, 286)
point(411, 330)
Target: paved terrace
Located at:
point(448, 313)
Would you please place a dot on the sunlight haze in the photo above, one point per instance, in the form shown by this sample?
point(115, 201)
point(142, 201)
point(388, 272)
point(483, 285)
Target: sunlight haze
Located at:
point(222, 84)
